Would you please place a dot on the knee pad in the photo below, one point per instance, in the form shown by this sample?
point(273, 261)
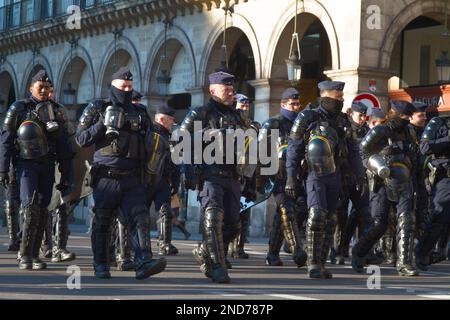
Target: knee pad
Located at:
point(316, 219)
point(406, 221)
point(213, 217)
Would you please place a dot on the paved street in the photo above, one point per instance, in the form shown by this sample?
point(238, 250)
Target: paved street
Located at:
point(251, 279)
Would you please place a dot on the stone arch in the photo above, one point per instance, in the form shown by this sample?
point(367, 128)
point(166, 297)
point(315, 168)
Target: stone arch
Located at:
point(239, 22)
point(6, 66)
point(173, 33)
point(316, 9)
point(125, 44)
point(81, 53)
point(408, 14)
point(38, 60)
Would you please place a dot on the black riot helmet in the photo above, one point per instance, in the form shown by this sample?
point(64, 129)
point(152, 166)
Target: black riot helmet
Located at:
point(320, 156)
point(32, 140)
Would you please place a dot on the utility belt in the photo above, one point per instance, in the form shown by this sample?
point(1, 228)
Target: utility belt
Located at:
point(41, 160)
point(221, 173)
point(115, 173)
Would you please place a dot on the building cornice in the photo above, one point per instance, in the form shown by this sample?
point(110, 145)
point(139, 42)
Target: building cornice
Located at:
point(103, 19)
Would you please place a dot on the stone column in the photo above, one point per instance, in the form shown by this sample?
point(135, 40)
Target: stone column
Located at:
point(357, 81)
point(197, 96)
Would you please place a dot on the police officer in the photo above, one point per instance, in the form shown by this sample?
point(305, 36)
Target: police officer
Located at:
point(359, 215)
point(417, 124)
point(39, 127)
point(118, 133)
point(436, 143)
point(120, 246)
point(220, 194)
point(290, 212)
point(390, 154)
point(376, 117)
point(180, 213)
point(161, 193)
point(322, 137)
point(238, 251)
point(12, 201)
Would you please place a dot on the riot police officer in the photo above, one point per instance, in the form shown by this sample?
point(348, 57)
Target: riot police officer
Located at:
point(435, 142)
point(39, 127)
point(322, 137)
point(359, 215)
point(291, 212)
point(162, 191)
point(220, 194)
point(12, 201)
point(119, 134)
point(390, 154)
point(417, 124)
point(249, 187)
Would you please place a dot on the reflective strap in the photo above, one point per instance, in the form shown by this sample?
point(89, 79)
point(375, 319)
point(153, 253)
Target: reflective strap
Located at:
point(282, 148)
point(155, 148)
point(248, 140)
point(324, 140)
point(399, 164)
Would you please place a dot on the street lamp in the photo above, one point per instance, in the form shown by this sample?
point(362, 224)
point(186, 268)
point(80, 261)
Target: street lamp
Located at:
point(294, 62)
point(224, 61)
point(163, 79)
point(70, 94)
point(443, 68)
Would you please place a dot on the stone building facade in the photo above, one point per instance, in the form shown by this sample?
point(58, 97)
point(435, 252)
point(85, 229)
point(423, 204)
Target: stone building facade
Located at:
point(360, 42)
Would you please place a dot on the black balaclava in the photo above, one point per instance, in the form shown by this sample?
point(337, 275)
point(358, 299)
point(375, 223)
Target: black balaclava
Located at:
point(120, 97)
point(333, 106)
point(398, 123)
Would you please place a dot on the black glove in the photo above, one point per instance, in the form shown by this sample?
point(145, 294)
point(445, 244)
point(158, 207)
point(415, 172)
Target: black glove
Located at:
point(291, 188)
point(4, 179)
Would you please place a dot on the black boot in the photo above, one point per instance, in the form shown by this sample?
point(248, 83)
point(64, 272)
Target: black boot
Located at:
point(365, 244)
point(38, 264)
point(390, 250)
point(230, 232)
point(123, 258)
point(328, 238)
point(315, 236)
point(165, 234)
point(405, 238)
point(340, 222)
point(426, 244)
point(442, 247)
point(215, 244)
point(349, 232)
point(60, 252)
point(238, 243)
point(146, 266)
point(46, 246)
point(12, 218)
point(275, 242)
point(101, 241)
point(30, 225)
point(201, 255)
point(292, 234)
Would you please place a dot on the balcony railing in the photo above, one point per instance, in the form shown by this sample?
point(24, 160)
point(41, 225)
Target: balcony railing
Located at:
point(17, 14)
